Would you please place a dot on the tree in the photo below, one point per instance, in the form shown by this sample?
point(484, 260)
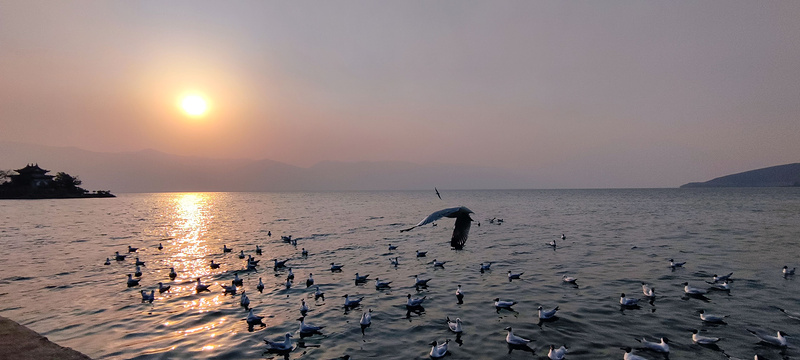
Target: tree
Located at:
point(65, 181)
point(5, 176)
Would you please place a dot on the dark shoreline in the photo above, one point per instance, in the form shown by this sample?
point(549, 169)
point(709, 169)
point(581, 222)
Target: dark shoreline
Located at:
point(52, 196)
point(20, 343)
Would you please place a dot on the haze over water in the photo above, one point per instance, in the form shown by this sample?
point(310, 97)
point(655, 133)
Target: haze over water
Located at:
point(53, 279)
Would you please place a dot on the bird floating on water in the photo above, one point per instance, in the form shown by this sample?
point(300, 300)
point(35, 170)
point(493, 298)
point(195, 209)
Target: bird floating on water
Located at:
point(348, 303)
point(244, 301)
point(722, 278)
point(569, 279)
point(228, 289)
point(163, 288)
point(630, 356)
point(160, 247)
point(648, 291)
point(455, 325)
point(675, 265)
point(395, 261)
point(392, 247)
point(226, 249)
point(131, 281)
point(547, 314)
point(361, 278)
point(253, 319)
point(172, 273)
point(557, 354)
point(563, 237)
point(415, 302)
point(711, 318)
point(512, 276)
point(318, 294)
point(662, 347)
point(626, 301)
point(310, 280)
point(236, 280)
point(307, 329)
point(290, 275)
point(304, 252)
point(200, 287)
point(279, 264)
point(366, 320)
point(119, 257)
point(724, 286)
point(690, 290)
point(786, 270)
point(486, 267)
point(258, 250)
point(148, 297)
point(438, 263)
point(335, 267)
point(459, 295)
point(214, 265)
point(461, 228)
point(503, 304)
point(514, 339)
point(703, 340)
point(779, 341)
point(286, 345)
point(108, 262)
point(438, 350)
point(381, 284)
point(139, 262)
point(303, 307)
point(241, 254)
point(132, 249)
point(422, 253)
point(420, 282)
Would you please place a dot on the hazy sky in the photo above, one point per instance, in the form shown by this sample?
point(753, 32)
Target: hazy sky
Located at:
point(614, 93)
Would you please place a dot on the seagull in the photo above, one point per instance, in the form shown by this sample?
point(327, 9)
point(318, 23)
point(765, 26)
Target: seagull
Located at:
point(351, 303)
point(287, 239)
point(236, 280)
point(335, 267)
point(547, 314)
point(461, 229)
point(557, 354)
point(138, 272)
point(244, 301)
point(503, 304)
point(303, 307)
point(214, 265)
point(108, 262)
point(366, 320)
point(552, 243)
point(422, 253)
point(381, 284)
point(269, 233)
point(692, 290)
point(703, 340)
point(132, 249)
point(459, 295)
point(172, 273)
point(288, 283)
point(279, 264)
point(304, 252)
point(310, 280)
point(415, 302)
point(786, 270)
point(624, 301)
point(200, 287)
point(662, 347)
point(563, 237)
point(226, 249)
point(779, 341)
point(252, 262)
point(160, 247)
point(360, 279)
point(486, 267)
point(258, 250)
point(119, 257)
point(724, 286)
point(514, 339)
point(253, 319)
point(163, 288)
point(790, 314)
point(711, 318)
point(438, 263)
point(569, 279)
point(420, 282)
point(722, 278)
point(437, 193)
point(648, 291)
point(286, 345)
point(138, 262)
point(514, 276)
point(629, 355)
point(306, 329)
point(674, 265)
point(131, 281)
point(438, 350)
point(455, 326)
point(290, 275)
point(148, 298)
point(318, 294)
point(228, 289)
point(395, 261)
point(392, 247)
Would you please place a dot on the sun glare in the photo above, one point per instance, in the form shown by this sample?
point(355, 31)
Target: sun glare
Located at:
point(194, 105)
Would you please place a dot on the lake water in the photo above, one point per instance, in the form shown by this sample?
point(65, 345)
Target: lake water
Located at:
point(53, 280)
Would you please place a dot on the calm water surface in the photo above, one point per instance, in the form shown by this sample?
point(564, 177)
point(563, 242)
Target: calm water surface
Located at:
point(53, 280)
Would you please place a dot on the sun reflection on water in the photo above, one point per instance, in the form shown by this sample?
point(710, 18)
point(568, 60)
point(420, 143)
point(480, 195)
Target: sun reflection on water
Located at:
point(192, 213)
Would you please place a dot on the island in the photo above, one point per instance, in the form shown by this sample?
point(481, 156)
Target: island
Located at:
point(774, 176)
point(33, 182)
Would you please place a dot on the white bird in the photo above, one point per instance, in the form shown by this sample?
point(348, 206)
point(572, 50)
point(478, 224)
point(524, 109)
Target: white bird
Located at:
point(108, 262)
point(557, 354)
point(163, 288)
point(244, 301)
point(415, 302)
point(662, 347)
point(307, 329)
point(503, 304)
point(629, 355)
point(139, 262)
point(722, 278)
point(303, 307)
point(779, 341)
point(547, 314)
point(703, 340)
point(674, 265)
point(486, 267)
point(172, 273)
point(438, 350)
point(552, 243)
point(366, 318)
point(236, 280)
point(569, 279)
point(395, 261)
point(626, 301)
point(138, 272)
point(201, 287)
point(420, 282)
point(461, 228)
point(563, 237)
point(790, 314)
point(514, 276)
point(228, 289)
point(286, 345)
point(455, 326)
point(514, 339)
point(786, 270)
point(422, 253)
point(392, 247)
point(648, 291)
point(310, 280)
point(253, 319)
point(319, 294)
point(351, 303)
point(711, 318)
point(438, 263)
point(381, 284)
point(335, 267)
point(260, 286)
point(148, 298)
point(689, 290)
point(459, 295)
point(362, 278)
point(131, 281)
point(724, 286)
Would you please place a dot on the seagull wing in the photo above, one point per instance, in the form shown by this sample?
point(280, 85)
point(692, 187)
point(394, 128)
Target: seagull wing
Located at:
point(437, 193)
point(461, 230)
point(436, 216)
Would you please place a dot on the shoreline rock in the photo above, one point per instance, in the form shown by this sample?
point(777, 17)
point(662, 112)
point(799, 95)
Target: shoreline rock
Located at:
point(20, 343)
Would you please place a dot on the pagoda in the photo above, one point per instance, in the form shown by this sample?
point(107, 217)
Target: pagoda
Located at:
point(31, 176)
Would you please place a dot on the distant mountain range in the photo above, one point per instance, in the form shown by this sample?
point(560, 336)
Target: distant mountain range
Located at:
point(774, 176)
point(154, 171)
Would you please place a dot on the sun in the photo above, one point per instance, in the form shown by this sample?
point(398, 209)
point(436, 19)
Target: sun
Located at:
point(194, 105)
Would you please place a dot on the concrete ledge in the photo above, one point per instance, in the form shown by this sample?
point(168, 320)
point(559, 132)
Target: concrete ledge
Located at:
point(20, 343)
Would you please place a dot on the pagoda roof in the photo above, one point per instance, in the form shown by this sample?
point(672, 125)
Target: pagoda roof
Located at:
point(32, 168)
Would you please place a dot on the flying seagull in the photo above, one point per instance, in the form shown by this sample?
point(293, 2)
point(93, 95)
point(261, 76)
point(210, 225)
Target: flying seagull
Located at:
point(437, 193)
point(460, 231)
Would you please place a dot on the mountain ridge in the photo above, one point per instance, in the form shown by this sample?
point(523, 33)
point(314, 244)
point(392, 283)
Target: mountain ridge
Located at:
point(774, 176)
